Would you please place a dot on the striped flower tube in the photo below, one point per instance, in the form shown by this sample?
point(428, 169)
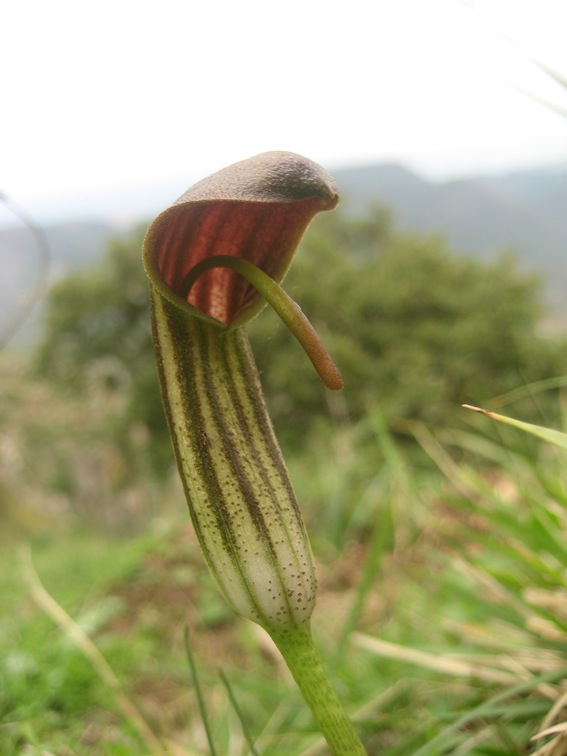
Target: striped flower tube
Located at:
point(213, 258)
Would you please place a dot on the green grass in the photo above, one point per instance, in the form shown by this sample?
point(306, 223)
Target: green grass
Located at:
point(47, 683)
point(442, 615)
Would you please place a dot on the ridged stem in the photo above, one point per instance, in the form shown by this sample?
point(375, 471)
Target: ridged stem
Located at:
point(303, 661)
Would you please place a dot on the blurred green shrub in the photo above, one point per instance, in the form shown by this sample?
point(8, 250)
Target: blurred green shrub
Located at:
point(415, 329)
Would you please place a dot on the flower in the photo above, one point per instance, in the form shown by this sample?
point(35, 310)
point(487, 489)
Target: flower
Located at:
point(212, 259)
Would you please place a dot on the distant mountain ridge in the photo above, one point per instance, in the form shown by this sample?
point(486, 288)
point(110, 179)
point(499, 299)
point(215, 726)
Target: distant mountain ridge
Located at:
point(523, 211)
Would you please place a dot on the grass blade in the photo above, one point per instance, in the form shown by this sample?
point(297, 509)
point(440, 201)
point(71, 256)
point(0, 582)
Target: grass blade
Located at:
point(198, 693)
point(88, 648)
point(485, 710)
point(546, 434)
point(236, 707)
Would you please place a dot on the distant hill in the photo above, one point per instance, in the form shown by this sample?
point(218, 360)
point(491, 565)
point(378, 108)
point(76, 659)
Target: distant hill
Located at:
point(525, 212)
point(481, 216)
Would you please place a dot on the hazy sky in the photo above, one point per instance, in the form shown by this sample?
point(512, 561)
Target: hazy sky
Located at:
point(119, 93)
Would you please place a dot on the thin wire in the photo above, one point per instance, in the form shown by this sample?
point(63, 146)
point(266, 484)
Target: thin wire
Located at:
point(44, 266)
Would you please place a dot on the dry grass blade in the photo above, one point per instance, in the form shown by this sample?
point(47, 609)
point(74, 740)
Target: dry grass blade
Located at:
point(442, 664)
point(558, 745)
point(558, 728)
point(81, 640)
point(555, 747)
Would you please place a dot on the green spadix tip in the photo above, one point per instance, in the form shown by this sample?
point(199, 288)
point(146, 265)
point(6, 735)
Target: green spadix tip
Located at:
point(288, 310)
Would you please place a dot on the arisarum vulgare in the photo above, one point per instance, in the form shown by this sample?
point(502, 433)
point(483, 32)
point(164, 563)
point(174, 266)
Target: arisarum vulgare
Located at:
point(213, 259)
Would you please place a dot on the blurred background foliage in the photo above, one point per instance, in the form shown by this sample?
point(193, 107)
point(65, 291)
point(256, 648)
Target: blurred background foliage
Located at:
point(415, 329)
point(401, 493)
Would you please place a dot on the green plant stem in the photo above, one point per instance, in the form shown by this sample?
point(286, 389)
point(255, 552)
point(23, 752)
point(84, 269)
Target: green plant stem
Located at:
point(302, 658)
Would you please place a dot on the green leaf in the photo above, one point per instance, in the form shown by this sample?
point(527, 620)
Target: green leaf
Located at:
point(546, 434)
